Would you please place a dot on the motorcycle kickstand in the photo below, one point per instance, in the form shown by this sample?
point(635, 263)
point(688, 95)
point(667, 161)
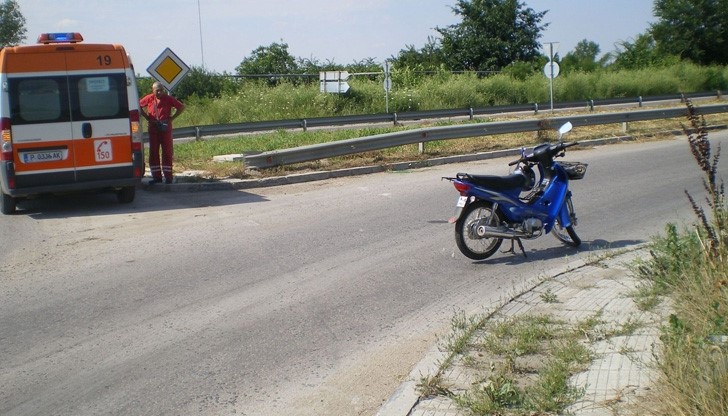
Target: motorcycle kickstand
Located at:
point(513, 247)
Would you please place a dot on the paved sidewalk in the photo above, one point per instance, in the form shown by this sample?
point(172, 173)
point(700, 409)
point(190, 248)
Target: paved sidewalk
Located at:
point(622, 370)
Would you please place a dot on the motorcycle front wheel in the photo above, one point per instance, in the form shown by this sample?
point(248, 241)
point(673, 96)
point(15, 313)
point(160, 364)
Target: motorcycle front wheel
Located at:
point(567, 235)
point(470, 244)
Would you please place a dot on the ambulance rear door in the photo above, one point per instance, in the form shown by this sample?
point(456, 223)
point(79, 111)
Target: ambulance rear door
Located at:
point(100, 128)
point(40, 119)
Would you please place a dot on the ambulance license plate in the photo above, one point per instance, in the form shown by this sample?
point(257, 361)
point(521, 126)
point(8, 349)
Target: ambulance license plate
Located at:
point(44, 156)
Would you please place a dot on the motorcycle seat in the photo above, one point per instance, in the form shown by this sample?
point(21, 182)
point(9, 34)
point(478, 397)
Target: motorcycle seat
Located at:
point(513, 181)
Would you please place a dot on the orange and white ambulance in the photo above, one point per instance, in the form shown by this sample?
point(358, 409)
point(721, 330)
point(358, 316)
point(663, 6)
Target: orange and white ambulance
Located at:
point(69, 120)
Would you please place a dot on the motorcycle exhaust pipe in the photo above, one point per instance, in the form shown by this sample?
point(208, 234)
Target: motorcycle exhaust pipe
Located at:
point(498, 232)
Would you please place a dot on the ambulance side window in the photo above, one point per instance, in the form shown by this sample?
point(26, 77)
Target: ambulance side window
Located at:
point(101, 96)
point(36, 100)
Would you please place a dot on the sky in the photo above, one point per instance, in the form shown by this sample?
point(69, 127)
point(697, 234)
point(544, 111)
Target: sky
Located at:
point(219, 34)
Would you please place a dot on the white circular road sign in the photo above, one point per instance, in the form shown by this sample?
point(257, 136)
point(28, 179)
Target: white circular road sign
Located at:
point(548, 68)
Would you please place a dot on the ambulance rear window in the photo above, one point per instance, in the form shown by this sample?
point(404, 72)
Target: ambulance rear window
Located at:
point(39, 100)
point(100, 96)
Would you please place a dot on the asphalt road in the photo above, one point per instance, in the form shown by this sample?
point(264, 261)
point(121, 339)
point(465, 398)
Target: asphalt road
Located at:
point(306, 299)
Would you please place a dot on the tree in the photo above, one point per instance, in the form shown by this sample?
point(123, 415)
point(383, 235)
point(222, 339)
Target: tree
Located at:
point(314, 66)
point(492, 34)
point(642, 53)
point(203, 84)
point(521, 70)
point(268, 60)
point(12, 24)
point(428, 58)
point(692, 29)
point(582, 58)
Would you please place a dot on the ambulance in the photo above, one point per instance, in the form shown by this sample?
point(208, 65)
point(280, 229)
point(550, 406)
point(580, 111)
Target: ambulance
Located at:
point(69, 120)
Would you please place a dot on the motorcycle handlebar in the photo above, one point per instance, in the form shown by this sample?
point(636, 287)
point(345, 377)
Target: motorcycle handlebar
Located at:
point(561, 147)
point(552, 150)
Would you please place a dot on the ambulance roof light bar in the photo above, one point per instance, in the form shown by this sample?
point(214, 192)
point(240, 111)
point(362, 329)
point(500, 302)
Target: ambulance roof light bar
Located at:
point(70, 37)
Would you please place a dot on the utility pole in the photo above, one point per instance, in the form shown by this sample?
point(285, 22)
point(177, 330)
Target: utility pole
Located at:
point(199, 18)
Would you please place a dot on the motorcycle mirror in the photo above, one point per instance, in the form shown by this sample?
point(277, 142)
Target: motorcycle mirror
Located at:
point(565, 128)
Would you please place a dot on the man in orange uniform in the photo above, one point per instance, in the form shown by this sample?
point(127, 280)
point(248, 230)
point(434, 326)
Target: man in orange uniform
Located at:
point(157, 109)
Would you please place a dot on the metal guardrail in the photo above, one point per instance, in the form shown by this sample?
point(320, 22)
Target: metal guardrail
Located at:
point(383, 141)
point(220, 129)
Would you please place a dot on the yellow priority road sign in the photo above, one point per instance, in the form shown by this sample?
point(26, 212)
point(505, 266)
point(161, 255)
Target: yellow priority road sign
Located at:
point(168, 69)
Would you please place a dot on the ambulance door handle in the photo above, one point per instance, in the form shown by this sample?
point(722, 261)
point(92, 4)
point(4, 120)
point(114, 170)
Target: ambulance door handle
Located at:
point(86, 130)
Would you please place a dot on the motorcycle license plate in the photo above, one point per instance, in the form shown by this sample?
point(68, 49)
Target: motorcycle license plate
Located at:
point(458, 209)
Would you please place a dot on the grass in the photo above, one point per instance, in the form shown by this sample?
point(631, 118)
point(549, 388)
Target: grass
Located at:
point(549, 296)
point(694, 369)
point(520, 336)
point(525, 362)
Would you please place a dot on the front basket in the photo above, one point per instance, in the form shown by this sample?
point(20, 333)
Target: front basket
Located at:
point(574, 170)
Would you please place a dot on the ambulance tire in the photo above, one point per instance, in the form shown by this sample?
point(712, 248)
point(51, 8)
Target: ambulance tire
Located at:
point(126, 195)
point(8, 204)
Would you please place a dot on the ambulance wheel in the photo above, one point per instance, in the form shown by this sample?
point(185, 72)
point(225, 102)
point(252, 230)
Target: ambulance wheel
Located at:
point(8, 204)
point(126, 195)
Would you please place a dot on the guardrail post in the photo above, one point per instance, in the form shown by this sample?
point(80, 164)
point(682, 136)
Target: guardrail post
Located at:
point(198, 136)
point(304, 124)
point(625, 127)
point(640, 101)
point(591, 105)
point(395, 119)
point(471, 113)
point(535, 108)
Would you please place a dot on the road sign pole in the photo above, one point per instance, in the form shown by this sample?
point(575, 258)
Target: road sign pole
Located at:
point(551, 75)
point(551, 70)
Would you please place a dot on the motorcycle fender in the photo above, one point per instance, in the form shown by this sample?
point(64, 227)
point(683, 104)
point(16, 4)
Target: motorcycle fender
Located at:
point(564, 218)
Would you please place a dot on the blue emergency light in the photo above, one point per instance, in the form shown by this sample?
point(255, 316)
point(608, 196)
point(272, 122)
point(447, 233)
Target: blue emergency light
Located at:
point(70, 37)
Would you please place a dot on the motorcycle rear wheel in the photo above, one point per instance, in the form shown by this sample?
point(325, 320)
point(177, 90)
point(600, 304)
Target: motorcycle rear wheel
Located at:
point(567, 235)
point(468, 242)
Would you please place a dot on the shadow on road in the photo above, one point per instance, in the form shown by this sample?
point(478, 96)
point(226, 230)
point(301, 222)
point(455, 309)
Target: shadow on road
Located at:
point(558, 250)
point(106, 203)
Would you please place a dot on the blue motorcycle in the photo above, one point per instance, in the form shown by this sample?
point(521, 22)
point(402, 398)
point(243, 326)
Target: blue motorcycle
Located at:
point(526, 204)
